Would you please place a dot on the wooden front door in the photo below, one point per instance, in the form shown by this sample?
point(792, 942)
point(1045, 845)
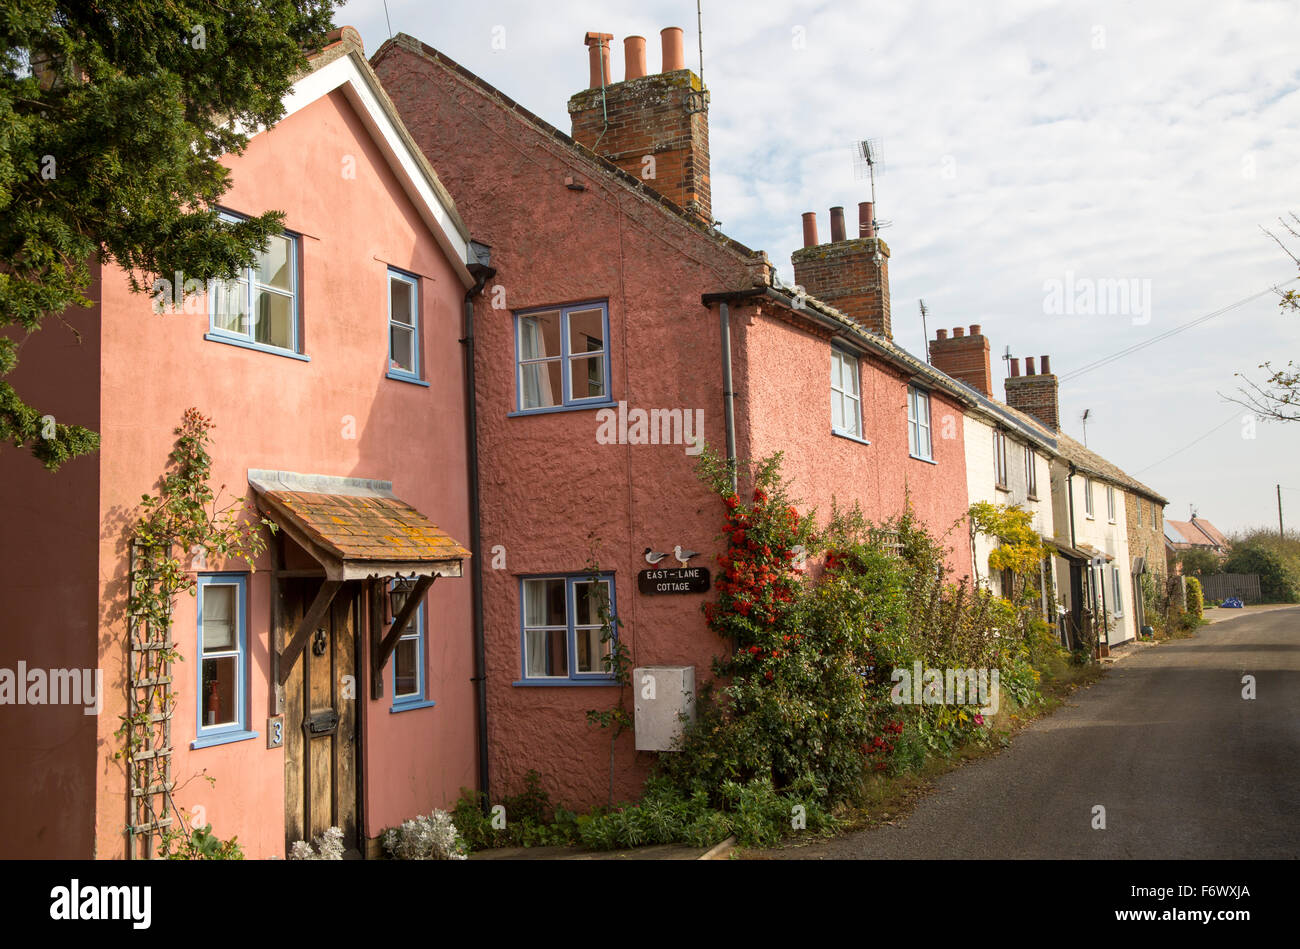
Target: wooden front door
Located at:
point(320, 719)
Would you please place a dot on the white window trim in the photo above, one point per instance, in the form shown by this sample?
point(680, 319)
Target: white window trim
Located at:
point(918, 401)
point(836, 391)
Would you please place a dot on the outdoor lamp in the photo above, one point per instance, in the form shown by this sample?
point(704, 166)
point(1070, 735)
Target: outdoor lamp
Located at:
point(400, 590)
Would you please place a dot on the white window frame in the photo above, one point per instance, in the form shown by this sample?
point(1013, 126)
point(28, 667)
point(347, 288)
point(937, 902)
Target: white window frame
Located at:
point(1000, 458)
point(1117, 597)
point(1110, 503)
point(1031, 472)
point(842, 359)
point(412, 281)
point(1087, 498)
point(918, 424)
point(249, 276)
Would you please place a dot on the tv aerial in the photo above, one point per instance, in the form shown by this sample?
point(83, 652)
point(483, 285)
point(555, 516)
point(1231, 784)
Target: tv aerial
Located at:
point(867, 160)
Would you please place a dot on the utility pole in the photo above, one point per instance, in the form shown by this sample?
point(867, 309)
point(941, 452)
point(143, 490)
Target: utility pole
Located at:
point(1280, 532)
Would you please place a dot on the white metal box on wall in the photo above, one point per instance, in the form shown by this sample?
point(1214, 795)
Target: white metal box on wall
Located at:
point(663, 694)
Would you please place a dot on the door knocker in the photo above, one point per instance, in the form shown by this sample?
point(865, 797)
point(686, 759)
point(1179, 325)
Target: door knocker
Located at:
point(318, 642)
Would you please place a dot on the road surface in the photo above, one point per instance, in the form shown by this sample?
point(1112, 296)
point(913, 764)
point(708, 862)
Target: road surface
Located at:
point(1184, 766)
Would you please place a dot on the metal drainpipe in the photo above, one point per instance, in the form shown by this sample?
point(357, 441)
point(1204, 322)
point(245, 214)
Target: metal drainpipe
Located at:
point(728, 396)
point(482, 273)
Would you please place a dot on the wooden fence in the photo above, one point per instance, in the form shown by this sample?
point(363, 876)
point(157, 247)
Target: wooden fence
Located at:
point(1220, 586)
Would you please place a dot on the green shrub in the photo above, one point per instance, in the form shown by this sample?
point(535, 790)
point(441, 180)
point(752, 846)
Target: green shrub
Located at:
point(1195, 598)
point(200, 844)
point(1276, 562)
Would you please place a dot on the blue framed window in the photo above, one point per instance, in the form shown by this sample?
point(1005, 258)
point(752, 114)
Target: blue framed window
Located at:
point(846, 394)
point(403, 326)
point(260, 308)
point(561, 631)
point(918, 424)
point(410, 688)
point(562, 358)
point(222, 706)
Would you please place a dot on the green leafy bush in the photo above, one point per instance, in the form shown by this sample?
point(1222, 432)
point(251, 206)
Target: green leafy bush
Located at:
point(1276, 561)
point(201, 844)
point(1195, 598)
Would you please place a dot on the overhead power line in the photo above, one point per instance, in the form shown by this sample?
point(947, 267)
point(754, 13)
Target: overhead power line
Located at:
point(1130, 350)
point(1232, 418)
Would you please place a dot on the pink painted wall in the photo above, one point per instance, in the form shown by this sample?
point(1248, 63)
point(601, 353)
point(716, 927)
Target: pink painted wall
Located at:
point(48, 560)
point(279, 413)
point(552, 495)
point(788, 376)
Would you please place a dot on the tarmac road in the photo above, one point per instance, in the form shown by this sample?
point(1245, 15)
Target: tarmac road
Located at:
point(1183, 765)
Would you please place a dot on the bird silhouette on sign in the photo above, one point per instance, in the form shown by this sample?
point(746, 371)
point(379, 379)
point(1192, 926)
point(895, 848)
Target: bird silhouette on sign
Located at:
point(654, 556)
point(684, 556)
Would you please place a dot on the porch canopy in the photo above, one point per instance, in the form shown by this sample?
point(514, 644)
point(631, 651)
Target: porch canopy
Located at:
point(357, 530)
point(1065, 550)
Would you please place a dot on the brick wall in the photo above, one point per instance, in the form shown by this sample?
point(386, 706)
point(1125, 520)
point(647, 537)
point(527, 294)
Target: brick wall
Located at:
point(964, 357)
point(846, 275)
point(1036, 395)
point(654, 128)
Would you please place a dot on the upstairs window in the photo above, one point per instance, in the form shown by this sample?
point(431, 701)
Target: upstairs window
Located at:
point(260, 307)
point(1110, 503)
point(1137, 502)
point(846, 395)
point(1000, 457)
point(403, 326)
point(562, 357)
point(918, 424)
point(1087, 496)
point(1031, 472)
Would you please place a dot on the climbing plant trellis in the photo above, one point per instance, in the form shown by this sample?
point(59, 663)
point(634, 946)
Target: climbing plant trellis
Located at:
point(183, 517)
point(150, 703)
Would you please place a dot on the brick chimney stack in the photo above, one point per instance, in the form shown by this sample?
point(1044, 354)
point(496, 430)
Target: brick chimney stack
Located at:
point(1036, 393)
point(655, 127)
point(965, 358)
point(850, 274)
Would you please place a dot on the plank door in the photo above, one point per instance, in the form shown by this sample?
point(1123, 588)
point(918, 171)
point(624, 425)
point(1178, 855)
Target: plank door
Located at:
point(320, 720)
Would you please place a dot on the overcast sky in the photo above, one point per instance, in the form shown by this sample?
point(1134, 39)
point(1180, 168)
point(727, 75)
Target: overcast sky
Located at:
point(1024, 142)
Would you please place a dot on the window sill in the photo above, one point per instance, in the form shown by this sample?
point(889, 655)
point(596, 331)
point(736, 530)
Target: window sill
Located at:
point(1090, 517)
point(564, 682)
point(552, 409)
point(1031, 497)
point(403, 377)
point(928, 461)
point(207, 741)
point(1003, 488)
point(411, 705)
point(851, 437)
point(259, 347)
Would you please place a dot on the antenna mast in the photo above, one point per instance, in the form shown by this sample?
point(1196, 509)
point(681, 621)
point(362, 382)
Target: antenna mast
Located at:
point(1086, 413)
point(699, 30)
point(924, 329)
